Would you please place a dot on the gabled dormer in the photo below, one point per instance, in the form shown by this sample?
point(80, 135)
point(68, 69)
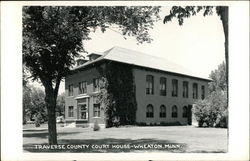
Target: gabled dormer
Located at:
point(93, 56)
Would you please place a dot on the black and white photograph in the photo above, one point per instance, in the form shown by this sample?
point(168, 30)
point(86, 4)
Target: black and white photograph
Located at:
point(126, 79)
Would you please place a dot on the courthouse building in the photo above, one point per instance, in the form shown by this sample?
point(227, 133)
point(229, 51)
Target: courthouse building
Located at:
point(164, 92)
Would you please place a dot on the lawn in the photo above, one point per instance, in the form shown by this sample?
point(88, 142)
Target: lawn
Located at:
point(125, 139)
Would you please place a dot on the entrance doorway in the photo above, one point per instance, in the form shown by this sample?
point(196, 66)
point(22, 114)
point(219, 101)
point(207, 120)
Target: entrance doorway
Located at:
point(83, 111)
point(189, 114)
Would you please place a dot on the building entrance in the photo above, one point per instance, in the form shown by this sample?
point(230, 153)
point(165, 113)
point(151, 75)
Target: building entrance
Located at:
point(82, 109)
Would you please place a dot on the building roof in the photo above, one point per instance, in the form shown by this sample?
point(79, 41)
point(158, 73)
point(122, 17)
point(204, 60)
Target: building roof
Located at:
point(136, 58)
point(95, 53)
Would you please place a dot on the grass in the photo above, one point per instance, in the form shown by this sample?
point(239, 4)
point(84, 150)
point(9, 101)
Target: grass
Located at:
point(190, 138)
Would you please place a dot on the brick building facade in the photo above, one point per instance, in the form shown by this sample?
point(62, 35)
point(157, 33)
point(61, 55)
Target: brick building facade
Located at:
point(164, 92)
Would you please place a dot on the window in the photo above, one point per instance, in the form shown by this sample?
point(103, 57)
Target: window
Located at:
point(71, 111)
point(71, 90)
point(184, 114)
point(82, 87)
point(202, 92)
point(149, 84)
point(96, 84)
point(174, 111)
point(83, 111)
point(185, 89)
point(175, 87)
point(162, 111)
point(163, 85)
point(150, 111)
point(195, 91)
point(97, 112)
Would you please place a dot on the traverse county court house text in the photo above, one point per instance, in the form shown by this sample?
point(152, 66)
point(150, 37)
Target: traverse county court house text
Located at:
point(163, 91)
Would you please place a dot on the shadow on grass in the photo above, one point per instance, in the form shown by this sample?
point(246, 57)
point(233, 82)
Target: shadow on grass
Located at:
point(34, 130)
point(111, 145)
point(207, 151)
point(42, 134)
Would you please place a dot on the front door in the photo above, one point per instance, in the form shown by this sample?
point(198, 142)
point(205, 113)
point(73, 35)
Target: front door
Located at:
point(83, 111)
point(189, 114)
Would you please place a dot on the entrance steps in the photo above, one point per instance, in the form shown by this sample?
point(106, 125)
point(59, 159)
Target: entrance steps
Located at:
point(73, 124)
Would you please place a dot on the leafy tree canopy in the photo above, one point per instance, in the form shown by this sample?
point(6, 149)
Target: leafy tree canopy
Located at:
point(213, 110)
point(53, 36)
point(219, 79)
point(33, 102)
point(181, 12)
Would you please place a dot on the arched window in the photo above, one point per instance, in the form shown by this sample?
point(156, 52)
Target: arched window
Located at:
point(174, 111)
point(150, 111)
point(162, 111)
point(184, 111)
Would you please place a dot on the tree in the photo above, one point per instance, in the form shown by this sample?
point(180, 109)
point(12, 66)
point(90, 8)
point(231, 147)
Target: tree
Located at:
point(33, 103)
point(218, 76)
point(185, 12)
point(60, 104)
point(213, 110)
point(26, 102)
point(53, 37)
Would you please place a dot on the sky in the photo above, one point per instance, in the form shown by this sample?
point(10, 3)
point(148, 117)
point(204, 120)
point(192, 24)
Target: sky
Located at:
point(197, 45)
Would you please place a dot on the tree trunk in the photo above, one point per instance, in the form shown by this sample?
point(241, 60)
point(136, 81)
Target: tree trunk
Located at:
point(51, 104)
point(224, 19)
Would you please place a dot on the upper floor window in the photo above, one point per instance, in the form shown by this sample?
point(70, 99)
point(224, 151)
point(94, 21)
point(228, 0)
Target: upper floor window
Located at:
point(184, 111)
point(97, 110)
point(82, 87)
point(195, 91)
point(71, 90)
point(163, 111)
point(96, 84)
point(150, 111)
point(202, 92)
point(71, 111)
point(149, 84)
point(174, 111)
point(174, 87)
point(163, 86)
point(185, 89)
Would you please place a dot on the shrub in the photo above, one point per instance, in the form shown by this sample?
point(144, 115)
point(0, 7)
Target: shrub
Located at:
point(212, 111)
point(204, 124)
point(141, 124)
point(96, 126)
point(38, 120)
point(176, 123)
point(116, 122)
point(223, 120)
